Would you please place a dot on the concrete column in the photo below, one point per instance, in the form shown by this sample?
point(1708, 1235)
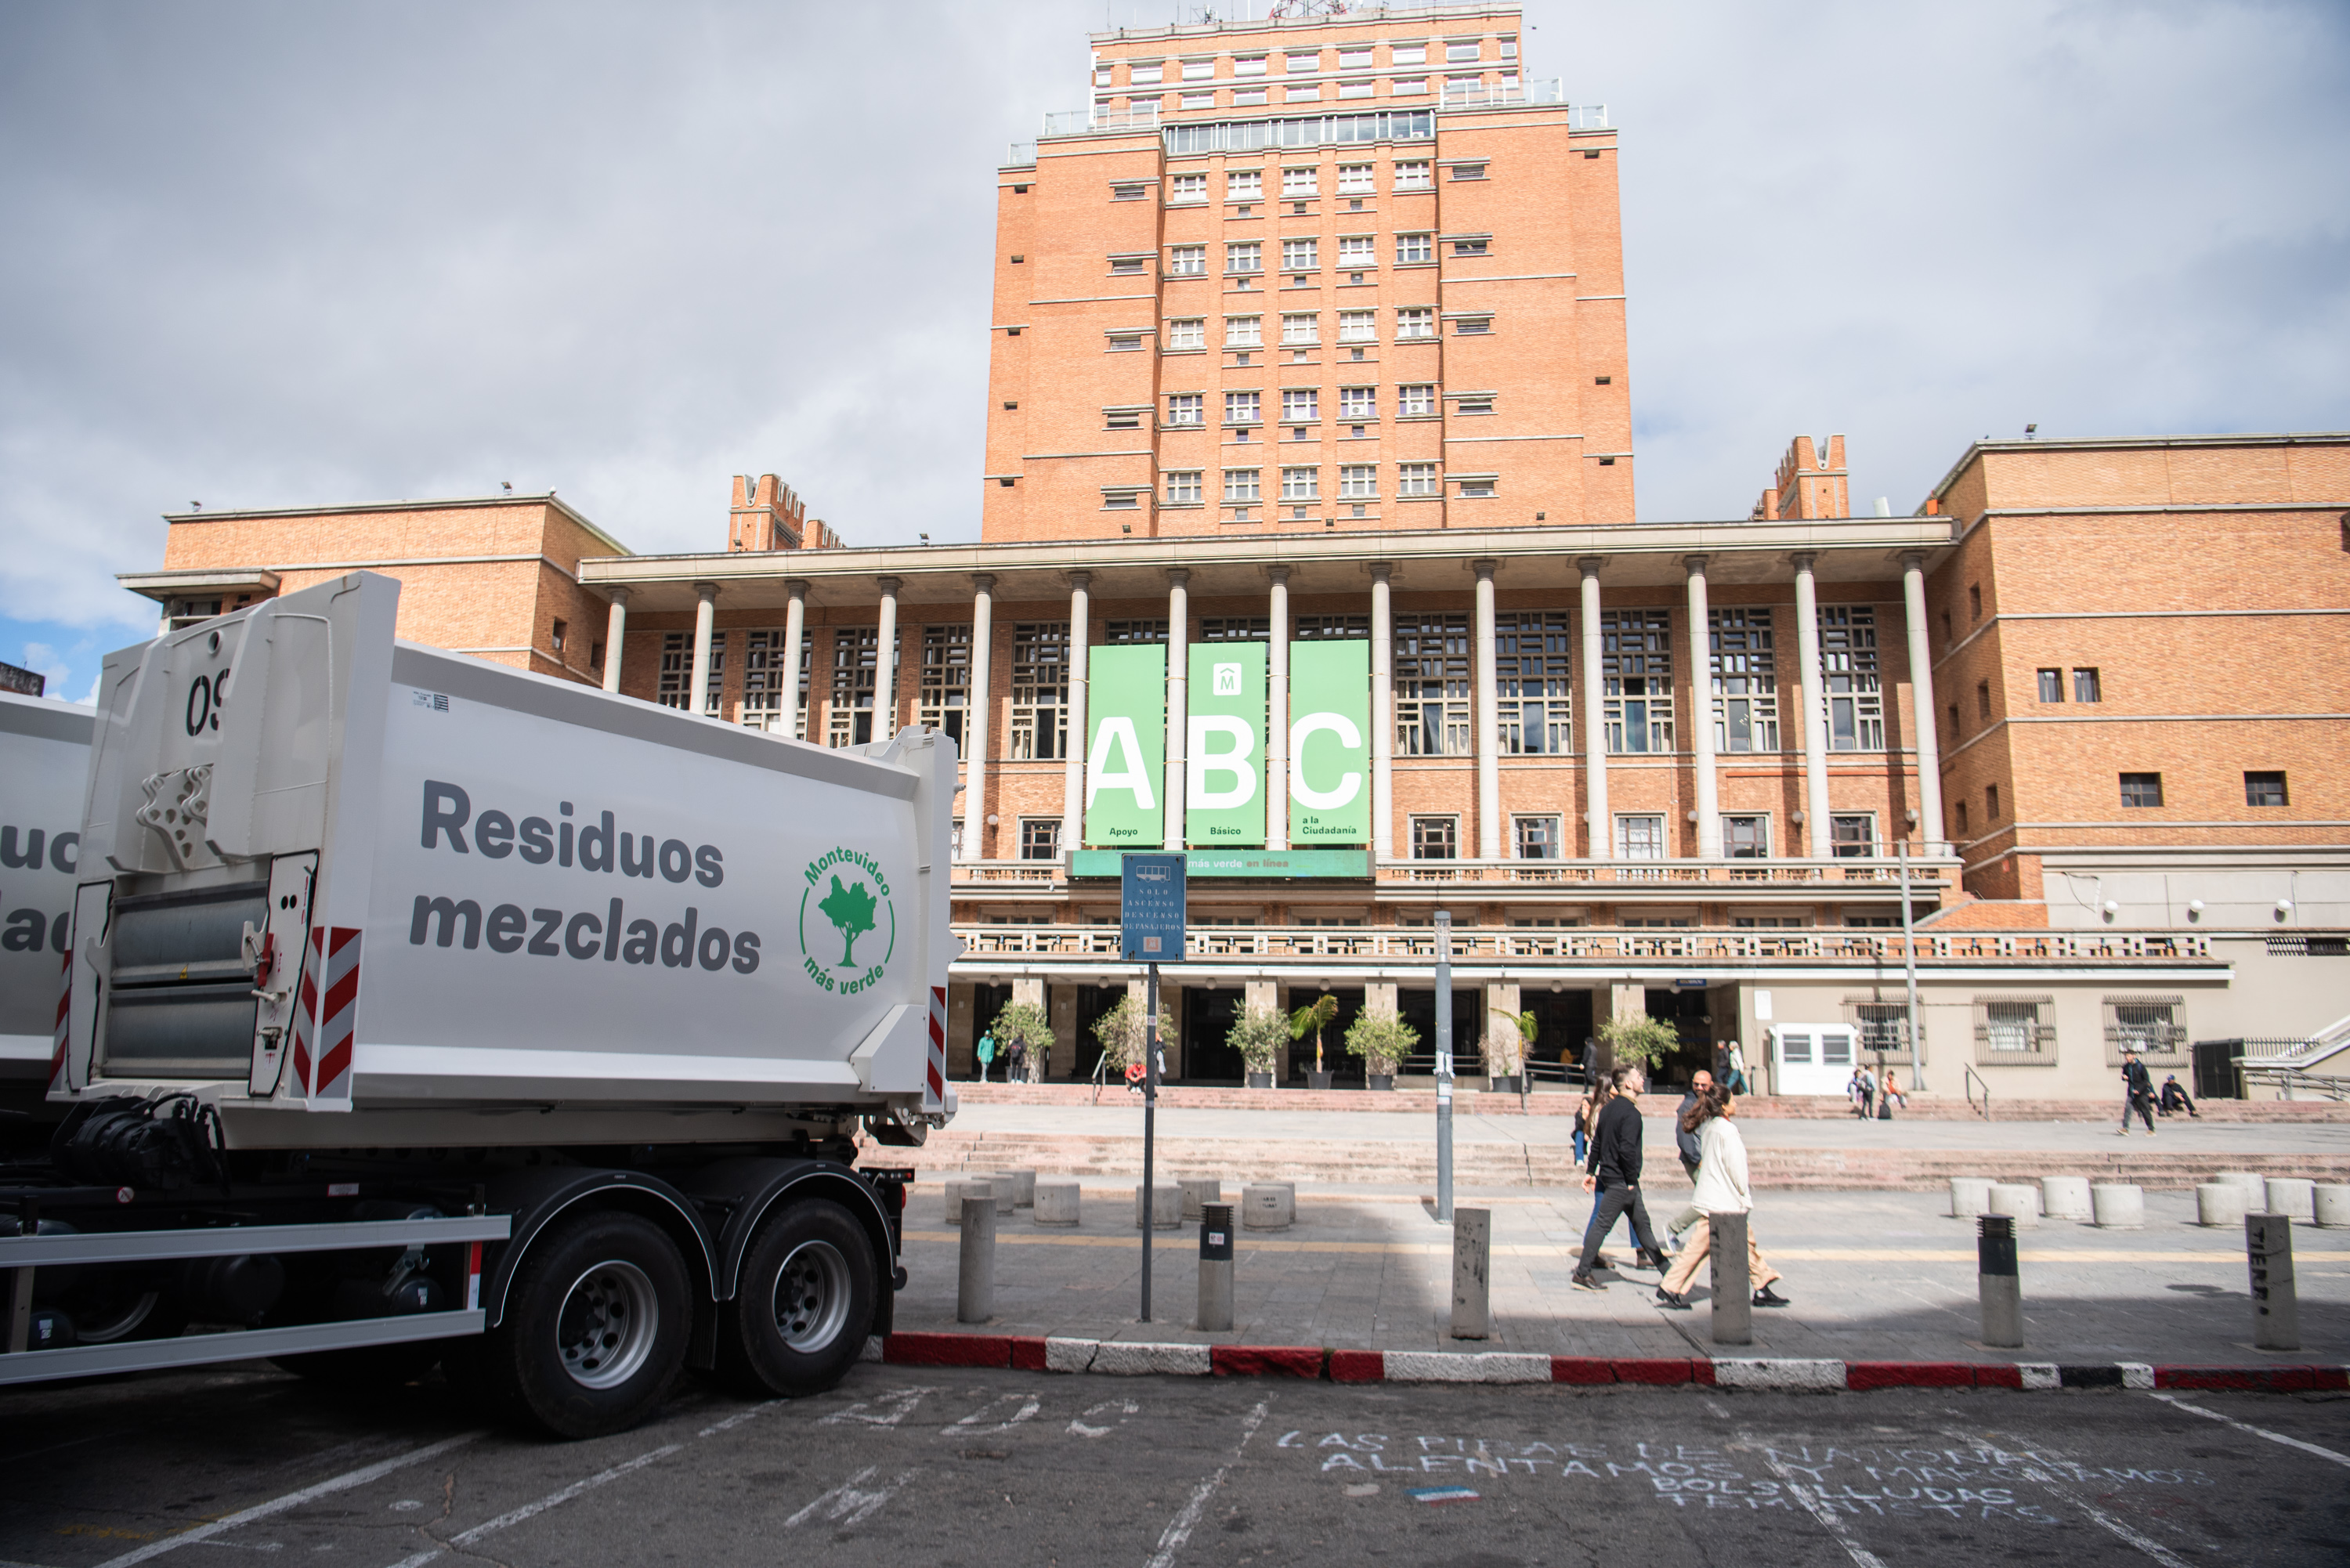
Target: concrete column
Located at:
point(705, 612)
point(1276, 716)
point(1489, 722)
point(1073, 771)
point(974, 724)
point(1930, 827)
point(1505, 1053)
point(1378, 996)
point(616, 631)
point(1816, 840)
point(885, 662)
point(794, 640)
point(1179, 699)
point(1264, 993)
point(1382, 715)
point(1700, 721)
point(1601, 838)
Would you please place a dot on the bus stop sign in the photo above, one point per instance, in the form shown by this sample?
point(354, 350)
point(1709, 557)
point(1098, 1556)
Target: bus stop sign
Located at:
point(1150, 908)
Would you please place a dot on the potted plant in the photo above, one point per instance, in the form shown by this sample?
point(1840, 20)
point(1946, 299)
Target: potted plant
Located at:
point(1507, 1041)
point(1381, 1040)
point(1258, 1034)
point(1641, 1041)
point(1121, 1032)
point(1312, 1020)
point(1024, 1023)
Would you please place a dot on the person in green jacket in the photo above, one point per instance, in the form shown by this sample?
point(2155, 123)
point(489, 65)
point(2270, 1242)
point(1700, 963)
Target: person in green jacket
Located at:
point(986, 1053)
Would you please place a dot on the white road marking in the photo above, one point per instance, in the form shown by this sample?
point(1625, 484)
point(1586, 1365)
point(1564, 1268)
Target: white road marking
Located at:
point(2343, 1460)
point(846, 1505)
point(969, 1426)
point(1178, 1529)
point(1861, 1555)
point(1078, 1427)
point(533, 1509)
point(343, 1482)
point(2097, 1516)
point(894, 1404)
point(736, 1420)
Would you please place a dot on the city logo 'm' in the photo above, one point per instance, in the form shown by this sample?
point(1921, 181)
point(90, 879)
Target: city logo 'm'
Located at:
point(1227, 680)
point(847, 901)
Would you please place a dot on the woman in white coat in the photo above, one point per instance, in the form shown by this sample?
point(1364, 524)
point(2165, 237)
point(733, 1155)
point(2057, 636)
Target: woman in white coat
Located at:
point(1721, 1188)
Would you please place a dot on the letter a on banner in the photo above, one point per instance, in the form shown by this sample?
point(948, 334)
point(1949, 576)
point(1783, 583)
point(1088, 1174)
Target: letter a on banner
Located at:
point(1329, 743)
point(1125, 754)
point(1224, 784)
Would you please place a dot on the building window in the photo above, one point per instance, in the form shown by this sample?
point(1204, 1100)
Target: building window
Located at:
point(1413, 249)
point(1407, 54)
point(1974, 602)
point(1405, 87)
point(1415, 479)
point(1746, 837)
point(1147, 74)
point(1416, 400)
point(1471, 325)
point(1357, 326)
point(1122, 418)
point(1460, 51)
point(1415, 323)
point(1301, 327)
point(1241, 408)
point(1333, 628)
point(1126, 342)
point(1473, 403)
point(856, 653)
point(1300, 405)
point(2015, 1031)
point(1962, 816)
point(1991, 803)
point(2141, 790)
point(1471, 247)
point(1852, 837)
point(1435, 837)
point(2052, 686)
point(1412, 176)
point(2264, 789)
point(1240, 486)
point(557, 633)
point(1982, 701)
point(1849, 666)
point(1467, 171)
point(1636, 664)
point(1298, 255)
point(1300, 183)
point(1537, 838)
point(1249, 257)
point(1533, 681)
point(1198, 70)
point(1040, 839)
point(2085, 687)
point(1432, 685)
point(595, 656)
point(1248, 65)
point(1357, 251)
point(1124, 633)
point(1199, 101)
point(1356, 179)
point(1124, 499)
point(1187, 332)
point(1248, 97)
point(1243, 331)
point(942, 695)
point(1479, 487)
point(2149, 1025)
point(1234, 627)
point(1185, 188)
point(1745, 680)
point(1127, 266)
point(765, 681)
point(1640, 838)
point(1186, 409)
point(1357, 403)
point(1298, 65)
point(1183, 488)
point(677, 670)
point(1040, 691)
point(1244, 184)
point(1358, 482)
point(1301, 94)
point(1881, 1029)
point(1300, 484)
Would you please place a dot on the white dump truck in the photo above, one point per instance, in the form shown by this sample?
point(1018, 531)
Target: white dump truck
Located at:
point(44, 762)
point(420, 1009)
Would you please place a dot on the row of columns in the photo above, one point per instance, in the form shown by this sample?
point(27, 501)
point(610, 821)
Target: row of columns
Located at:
point(1698, 726)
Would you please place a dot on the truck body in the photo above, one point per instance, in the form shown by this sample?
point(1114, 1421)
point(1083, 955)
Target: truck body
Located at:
point(44, 767)
point(364, 932)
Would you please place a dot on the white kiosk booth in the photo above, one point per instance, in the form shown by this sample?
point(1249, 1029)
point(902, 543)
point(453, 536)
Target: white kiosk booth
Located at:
point(1812, 1058)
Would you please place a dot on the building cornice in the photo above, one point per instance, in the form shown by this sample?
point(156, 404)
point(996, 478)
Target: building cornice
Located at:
point(448, 504)
point(1979, 450)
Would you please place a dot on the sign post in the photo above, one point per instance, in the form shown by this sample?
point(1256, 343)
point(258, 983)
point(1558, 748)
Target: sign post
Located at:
point(1444, 1066)
point(1150, 928)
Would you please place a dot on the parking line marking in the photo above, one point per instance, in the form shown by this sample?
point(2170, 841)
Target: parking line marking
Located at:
point(533, 1509)
point(849, 1505)
point(2176, 1403)
point(1178, 1529)
point(1861, 1555)
point(343, 1482)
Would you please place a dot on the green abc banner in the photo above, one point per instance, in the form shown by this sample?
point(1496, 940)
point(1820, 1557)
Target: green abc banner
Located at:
point(1223, 790)
point(1330, 742)
point(1125, 752)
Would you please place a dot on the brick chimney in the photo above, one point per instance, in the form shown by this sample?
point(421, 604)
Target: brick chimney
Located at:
point(766, 516)
point(1806, 486)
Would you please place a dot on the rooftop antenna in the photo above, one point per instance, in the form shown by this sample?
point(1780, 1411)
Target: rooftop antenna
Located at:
point(506, 486)
point(2031, 430)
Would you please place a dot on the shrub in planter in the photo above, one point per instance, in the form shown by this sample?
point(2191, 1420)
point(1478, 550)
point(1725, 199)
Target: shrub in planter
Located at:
point(1640, 1042)
point(1258, 1034)
point(1122, 1032)
point(1025, 1024)
point(1381, 1040)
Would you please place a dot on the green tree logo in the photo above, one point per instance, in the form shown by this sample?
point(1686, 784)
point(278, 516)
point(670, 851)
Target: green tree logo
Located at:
point(850, 909)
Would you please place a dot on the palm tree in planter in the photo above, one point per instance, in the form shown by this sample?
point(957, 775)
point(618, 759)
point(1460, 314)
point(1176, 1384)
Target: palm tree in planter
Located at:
point(1382, 1040)
point(1509, 1039)
point(1312, 1020)
point(1258, 1034)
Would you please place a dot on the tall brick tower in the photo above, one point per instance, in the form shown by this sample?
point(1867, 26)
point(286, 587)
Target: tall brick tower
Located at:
point(1310, 273)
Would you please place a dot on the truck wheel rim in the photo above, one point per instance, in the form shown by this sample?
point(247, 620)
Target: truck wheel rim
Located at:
point(811, 1296)
point(608, 1325)
point(104, 1328)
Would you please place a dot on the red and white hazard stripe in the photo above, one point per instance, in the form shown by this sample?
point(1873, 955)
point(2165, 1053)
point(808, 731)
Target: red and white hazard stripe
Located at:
point(305, 1006)
point(338, 1009)
point(474, 1277)
point(65, 1014)
point(934, 1095)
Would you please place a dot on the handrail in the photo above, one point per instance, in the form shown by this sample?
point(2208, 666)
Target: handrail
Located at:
point(1972, 1078)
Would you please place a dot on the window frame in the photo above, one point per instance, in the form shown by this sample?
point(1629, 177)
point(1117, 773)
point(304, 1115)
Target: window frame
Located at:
point(2039, 1047)
point(1435, 829)
point(2141, 784)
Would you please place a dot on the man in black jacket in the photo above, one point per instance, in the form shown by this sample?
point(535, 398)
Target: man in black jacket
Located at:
point(1612, 1171)
point(2138, 1089)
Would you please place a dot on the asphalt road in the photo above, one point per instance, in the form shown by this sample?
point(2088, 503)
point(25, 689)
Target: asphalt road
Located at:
point(903, 1466)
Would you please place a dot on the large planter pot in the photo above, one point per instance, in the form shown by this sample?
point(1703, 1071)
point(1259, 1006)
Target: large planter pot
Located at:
point(1379, 1080)
point(1314, 1080)
point(1506, 1084)
point(1260, 1080)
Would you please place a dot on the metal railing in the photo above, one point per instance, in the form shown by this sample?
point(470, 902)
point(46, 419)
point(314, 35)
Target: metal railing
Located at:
point(1545, 90)
point(1021, 155)
point(1588, 117)
point(1882, 870)
point(1971, 1082)
point(1086, 121)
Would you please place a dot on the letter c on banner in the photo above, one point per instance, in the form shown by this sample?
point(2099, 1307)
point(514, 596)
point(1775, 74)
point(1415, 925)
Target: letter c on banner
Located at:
point(1232, 764)
point(1349, 785)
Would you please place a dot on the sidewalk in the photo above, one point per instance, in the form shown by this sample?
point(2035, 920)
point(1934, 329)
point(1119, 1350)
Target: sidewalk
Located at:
point(1873, 1276)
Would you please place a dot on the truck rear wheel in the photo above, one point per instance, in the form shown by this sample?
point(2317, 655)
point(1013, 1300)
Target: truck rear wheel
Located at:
point(805, 1304)
point(596, 1326)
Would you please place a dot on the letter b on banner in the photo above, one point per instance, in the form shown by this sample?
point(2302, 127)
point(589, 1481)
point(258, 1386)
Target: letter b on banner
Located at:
point(1224, 745)
point(1329, 743)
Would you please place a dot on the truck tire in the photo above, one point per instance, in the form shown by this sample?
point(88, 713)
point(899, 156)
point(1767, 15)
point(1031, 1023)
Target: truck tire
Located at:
point(804, 1305)
point(596, 1327)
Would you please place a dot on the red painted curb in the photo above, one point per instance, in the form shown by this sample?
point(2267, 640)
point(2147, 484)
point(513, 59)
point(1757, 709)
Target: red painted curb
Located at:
point(1266, 1360)
point(2254, 1379)
point(948, 1350)
point(1581, 1369)
point(1998, 1375)
point(1028, 1353)
point(1357, 1367)
point(1658, 1372)
point(1863, 1374)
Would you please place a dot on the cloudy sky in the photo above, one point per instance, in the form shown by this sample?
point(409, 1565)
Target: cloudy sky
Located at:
point(289, 254)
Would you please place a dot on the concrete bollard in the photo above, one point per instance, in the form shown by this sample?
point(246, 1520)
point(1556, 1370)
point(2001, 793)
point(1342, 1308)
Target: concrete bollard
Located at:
point(2018, 1201)
point(2295, 1197)
point(1164, 1203)
point(2276, 1314)
point(2333, 1204)
point(962, 1187)
point(1059, 1200)
point(1022, 1186)
point(1733, 1282)
point(1998, 1287)
point(2223, 1203)
point(975, 1284)
point(2064, 1197)
point(1472, 1273)
point(1969, 1196)
point(1198, 1192)
point(2251, 1181)
point(1268, 1206)
point(1215, 1268)
point(2117, 1205)
point(1003, 1184)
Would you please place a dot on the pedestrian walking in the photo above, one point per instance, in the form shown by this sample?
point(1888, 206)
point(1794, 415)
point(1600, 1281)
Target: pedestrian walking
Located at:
point(1736, 1078)
point(1860, 1089)
point(1721, 1188)
point(986, 1053)
point(2174, 1098)
point(1684, 1137)
point(1587, 1117)
point(1016, 1063)
point(1612, 1174)
point(2138, 1093)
